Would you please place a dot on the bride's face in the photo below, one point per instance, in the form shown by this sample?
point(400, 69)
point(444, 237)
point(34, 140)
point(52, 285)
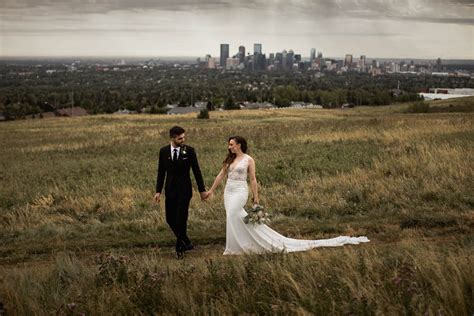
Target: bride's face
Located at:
point(234, 147)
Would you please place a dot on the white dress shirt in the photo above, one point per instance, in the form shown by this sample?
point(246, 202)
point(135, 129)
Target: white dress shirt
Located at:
point(172, 151)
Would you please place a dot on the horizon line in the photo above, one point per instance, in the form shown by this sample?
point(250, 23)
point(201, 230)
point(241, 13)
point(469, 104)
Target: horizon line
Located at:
point(195, 57)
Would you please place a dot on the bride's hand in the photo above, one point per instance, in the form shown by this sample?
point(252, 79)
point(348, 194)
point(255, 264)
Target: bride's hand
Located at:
point(209, 194)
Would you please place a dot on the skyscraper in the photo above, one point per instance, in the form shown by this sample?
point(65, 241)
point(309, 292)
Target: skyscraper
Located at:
point(362, 62)
point(257, 48)
point(312, 55)
point(242, 53)
point(224, 54)
point(258, 58)
point(284, 59)
point(290, 59)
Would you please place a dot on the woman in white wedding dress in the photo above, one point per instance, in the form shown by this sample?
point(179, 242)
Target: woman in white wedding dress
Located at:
point(255, 238)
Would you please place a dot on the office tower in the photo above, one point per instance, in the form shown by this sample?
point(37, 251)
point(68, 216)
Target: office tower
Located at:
point(242, 53)
point(224, 54)
point(290, 59)
point(362, 62)
point(260, 62)
point(348, 61)
point(438, 64)
point(257, 48)
point(278, 61)
point(284, 59)
point(320, 55)
point(312, 55)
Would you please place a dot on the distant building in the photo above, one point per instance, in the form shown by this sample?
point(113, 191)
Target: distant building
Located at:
point(312, 55)
point(74, 111)
point(290, 59)
point(232, 63)
point(447, 93)
point(257, 48)
point(363, 63)
point(394, 67)
point(438, 65)
point(440, 74)
point(125, 111)
point(224, 54)
point(242, 53)
point(348, 61)
point(258, 105)
point(211, 63)
point(188, 109)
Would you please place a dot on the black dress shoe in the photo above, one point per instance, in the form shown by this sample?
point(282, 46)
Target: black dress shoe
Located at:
point(188, 247)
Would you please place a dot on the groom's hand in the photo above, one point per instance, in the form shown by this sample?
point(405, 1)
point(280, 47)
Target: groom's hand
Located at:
point(204, 195)
point(157, 197)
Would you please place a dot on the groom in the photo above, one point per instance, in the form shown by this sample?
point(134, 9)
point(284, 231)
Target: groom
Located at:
point(174, 164)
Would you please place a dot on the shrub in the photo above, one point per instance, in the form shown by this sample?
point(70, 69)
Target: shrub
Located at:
point(204, 114)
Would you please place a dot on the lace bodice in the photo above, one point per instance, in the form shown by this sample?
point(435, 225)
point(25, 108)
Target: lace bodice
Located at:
point(239, 171)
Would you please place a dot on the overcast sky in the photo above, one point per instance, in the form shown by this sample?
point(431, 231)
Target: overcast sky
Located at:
point(376, 28)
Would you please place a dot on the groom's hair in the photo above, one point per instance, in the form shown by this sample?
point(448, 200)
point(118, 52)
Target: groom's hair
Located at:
point(175, 131)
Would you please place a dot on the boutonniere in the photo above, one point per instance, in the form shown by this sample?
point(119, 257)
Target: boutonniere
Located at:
point(183, 150)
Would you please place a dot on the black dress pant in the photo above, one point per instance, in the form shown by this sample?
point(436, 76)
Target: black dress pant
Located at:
point(177, 219)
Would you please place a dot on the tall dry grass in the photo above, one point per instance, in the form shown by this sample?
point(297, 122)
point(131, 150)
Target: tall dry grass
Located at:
point(84, 186)
point(412, 278)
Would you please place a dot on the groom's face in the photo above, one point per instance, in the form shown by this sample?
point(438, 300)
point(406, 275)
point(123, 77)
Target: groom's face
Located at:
point(178, 140)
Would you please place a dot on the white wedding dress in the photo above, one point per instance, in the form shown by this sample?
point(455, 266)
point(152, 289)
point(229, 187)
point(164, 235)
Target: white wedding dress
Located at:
point(259, 238)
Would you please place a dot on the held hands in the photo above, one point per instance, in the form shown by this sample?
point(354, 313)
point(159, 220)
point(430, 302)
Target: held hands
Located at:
point(205, 195)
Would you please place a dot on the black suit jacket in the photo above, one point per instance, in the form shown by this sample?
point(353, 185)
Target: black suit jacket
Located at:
point(178, 181)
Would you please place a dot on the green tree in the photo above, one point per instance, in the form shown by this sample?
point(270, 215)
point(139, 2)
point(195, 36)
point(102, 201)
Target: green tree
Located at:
point(229, 104)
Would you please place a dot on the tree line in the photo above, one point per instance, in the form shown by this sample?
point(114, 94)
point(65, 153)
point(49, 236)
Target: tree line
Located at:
point(153, 89)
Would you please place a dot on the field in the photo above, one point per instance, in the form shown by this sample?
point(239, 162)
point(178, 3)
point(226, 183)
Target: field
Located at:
point(79, 232)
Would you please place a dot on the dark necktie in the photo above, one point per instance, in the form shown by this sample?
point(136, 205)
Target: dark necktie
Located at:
point(175, 154)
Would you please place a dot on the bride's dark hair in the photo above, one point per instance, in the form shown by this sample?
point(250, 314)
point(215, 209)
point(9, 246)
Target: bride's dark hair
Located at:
point(230, 156)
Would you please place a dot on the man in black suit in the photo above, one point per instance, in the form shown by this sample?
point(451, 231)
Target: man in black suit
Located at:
point(174, 164)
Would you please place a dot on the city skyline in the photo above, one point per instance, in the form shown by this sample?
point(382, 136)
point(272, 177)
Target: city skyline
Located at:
point(380, 29)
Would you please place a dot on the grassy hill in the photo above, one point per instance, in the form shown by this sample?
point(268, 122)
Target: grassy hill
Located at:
point(79, 231)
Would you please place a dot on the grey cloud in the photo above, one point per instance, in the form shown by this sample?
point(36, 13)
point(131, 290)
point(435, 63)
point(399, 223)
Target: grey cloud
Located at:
point(433, 11)
point(105, 6)
point(468, 21)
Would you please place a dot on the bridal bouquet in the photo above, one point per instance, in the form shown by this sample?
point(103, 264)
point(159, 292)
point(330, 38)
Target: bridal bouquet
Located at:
point(256, 215)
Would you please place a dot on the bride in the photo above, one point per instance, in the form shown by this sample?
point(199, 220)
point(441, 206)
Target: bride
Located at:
point(255, 238)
